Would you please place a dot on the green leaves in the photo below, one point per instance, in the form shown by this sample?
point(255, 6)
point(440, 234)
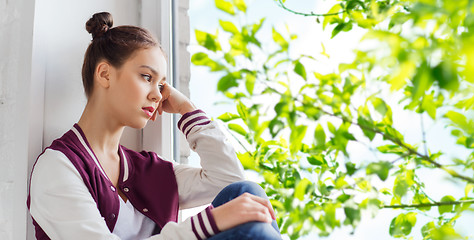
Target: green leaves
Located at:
point(443, 232)
point(427, 229)
point(421, 199)
point(380, 106)
point(226, 117)
point(231, 6)
point(317, 160)
point(330, 215)
point(228, 81)
point(237, 128)
point(353, 216)
point(300, 69)
point(242, 110)
point(225, 6)
point(301, 188)
point(380, 168)
point(391, 148)
point(207, 40)
point(446, 208)
point(229, 26)
point(418, 62)
point(332, 18)
point(367, 127)
point(241, 5)
point(402, 224)
point(320, 136)
point(343, 26)
point(361, 20)
point(248, 161)
point(460, 121)
point(296, 138)
point(421, 81)
point(278, 38)
point(202, 59)
point(445, 75)
point(402, 182)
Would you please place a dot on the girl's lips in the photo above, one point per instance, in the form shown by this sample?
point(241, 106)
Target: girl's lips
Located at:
point(148, 111)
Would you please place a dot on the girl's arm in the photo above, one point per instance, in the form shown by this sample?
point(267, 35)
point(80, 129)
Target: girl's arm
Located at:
point(220, 166)
point(61, 203)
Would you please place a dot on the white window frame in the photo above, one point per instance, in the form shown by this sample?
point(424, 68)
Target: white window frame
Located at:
point(159, 136)
point(162, 25)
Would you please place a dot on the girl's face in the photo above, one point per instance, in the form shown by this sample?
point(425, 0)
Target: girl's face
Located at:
point(135, 87)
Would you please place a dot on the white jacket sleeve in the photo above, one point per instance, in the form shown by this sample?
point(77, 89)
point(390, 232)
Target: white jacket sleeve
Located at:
point(220, 165)
point(62, 205)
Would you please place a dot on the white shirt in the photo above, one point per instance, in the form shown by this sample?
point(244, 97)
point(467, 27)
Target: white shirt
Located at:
point(132, 224)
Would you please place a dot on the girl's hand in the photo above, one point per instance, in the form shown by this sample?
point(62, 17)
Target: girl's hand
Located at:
point(173, 101)
point(243, 209)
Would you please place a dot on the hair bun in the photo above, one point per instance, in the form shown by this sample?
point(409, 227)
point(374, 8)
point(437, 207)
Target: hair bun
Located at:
point(99, 23)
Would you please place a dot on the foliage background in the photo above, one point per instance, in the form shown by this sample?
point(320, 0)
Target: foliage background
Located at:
point(319, 186)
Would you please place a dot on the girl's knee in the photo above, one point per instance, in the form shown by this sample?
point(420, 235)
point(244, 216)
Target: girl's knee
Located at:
point(247, 186)
point(259, 230)
point(249, 231)
point(236, 189)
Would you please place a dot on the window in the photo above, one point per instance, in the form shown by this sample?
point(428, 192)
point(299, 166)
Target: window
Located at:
point(57, 97)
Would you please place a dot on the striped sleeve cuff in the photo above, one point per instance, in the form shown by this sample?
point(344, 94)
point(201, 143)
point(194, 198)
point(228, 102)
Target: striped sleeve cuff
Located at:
point(203, 224)
point(191, 119)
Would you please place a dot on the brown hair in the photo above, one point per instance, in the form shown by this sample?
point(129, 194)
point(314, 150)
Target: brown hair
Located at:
point(114, 45)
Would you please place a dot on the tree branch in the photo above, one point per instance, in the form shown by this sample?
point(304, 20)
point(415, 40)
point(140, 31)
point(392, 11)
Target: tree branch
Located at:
point(423, 134)
point(400, 158)
point(405, 146)
point(238, 140)
point(311, 14)
point(408, 148)
point(397, 141)
point(434, 204)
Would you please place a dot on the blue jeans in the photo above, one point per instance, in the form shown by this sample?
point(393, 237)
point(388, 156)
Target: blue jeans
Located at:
point(250, 230)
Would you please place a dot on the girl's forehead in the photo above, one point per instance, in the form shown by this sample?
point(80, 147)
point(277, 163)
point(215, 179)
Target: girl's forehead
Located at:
point(151, 58)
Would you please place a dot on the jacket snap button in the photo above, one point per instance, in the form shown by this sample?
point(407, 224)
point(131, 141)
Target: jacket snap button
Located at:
point(145, 210)
point(112, 216)
point(126, 189)
point(112, 188)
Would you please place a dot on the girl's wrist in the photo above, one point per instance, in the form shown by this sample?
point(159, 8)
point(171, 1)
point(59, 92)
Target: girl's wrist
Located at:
point(188, 107)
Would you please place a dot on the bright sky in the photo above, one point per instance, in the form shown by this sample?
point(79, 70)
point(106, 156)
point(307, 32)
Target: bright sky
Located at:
point(204, 16)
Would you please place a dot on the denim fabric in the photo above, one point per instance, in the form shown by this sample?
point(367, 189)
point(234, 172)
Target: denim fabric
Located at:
point(250, 230)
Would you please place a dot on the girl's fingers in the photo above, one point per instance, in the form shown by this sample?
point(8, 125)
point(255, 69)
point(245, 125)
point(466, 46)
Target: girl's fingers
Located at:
point(168, 99)
point(260, 215)
point(165, 90)
point(153, 117)
point(265, 203)
point(160, 108)
point(243, 209)
point(165, 94)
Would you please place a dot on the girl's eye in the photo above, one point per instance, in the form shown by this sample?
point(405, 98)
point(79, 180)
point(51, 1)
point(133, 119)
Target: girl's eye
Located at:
point(161, 86)
point(147, 77)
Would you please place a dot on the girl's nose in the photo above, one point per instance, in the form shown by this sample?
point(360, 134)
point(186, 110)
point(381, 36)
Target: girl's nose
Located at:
point(155, 94)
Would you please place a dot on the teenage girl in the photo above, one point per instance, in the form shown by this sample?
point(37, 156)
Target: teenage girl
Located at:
point(87, 186)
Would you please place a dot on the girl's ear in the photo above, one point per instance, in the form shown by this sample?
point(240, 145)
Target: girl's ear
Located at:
point(103, 73)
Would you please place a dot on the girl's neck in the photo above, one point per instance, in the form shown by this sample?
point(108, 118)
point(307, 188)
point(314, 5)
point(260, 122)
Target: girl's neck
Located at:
point(101, 131)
